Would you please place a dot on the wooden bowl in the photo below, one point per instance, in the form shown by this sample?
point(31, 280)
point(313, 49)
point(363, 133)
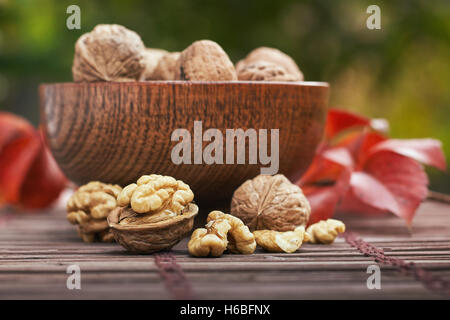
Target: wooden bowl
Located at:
point(115, 132)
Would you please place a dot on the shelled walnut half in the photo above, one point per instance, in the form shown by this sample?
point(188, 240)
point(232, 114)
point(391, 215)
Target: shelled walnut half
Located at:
point(88, 208)
point(155, 213)
point(275, 241)
point(222, 232)
point(325, 231)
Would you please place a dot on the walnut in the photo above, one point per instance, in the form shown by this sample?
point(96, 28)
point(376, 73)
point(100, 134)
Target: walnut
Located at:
point(108, 53)
point(276, 241)
point(240, 239)
point(88, 208)
point(210, 241)
point(204, 60)
point(270, 202)
point(155, 213)
point(271, 55)
point(325, 231)
point(156, 194)
point(151, 59)
point(264, 71)
point(165, 70)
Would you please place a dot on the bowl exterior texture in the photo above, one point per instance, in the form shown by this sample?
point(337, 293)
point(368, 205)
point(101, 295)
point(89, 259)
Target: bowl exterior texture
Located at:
point(116, 132)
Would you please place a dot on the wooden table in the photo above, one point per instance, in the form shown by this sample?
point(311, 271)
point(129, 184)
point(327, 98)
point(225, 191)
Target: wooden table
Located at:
point(36, 249)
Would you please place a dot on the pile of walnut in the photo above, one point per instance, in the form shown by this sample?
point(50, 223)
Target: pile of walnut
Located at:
point(156, 212)
point(89, 207)
point(115, 53)
point(150, 215)
point(271, 207)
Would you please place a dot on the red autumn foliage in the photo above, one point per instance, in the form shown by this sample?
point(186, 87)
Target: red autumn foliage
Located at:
point(357, 169)
point(29, 176)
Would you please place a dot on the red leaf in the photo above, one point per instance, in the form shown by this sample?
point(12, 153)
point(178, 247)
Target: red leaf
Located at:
point(390, 182)
point(44, 182)
point(426, 151)
point(324, 199)
point(12, 127)
point(327, 166)
point(15, 160)
point(29, 176)
point(339, 120)
point(326, 181)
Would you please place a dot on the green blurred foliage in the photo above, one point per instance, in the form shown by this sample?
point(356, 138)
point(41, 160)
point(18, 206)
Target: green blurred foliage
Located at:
point(401, 72)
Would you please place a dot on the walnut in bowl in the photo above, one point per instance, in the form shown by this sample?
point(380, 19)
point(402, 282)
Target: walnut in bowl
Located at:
point(154, 214)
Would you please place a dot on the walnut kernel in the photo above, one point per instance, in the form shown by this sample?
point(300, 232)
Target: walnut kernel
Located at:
point(240, 239)
point(204, 60)
point(270, 202)
point(211, 240)
point(325, 231)
point(108, 53)
point(155, 213)
point(88, 208)
point(154, 194)
point(276, 241)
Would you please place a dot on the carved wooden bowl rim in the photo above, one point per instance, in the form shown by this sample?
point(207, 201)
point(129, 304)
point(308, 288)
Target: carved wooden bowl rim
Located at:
point(183, 82)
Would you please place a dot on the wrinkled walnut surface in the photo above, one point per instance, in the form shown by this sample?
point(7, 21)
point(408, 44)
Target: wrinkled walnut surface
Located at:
point(156, 194)
point(204, 60)
point(325, 231)
point(144, 237)
point(270, 202)
point(152, 57)
point(276, 241)
point(88, 208)
point(108, 53)
point(264, 71)
point(240, 239)
point(165, 70)
point(211, 240)
point(274, 56)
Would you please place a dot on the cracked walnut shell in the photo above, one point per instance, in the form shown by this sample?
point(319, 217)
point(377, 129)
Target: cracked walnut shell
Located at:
point(110, 52)
point(325, 231)
point(270, 203)
point(240, 239)
point(144, 237)
point(155, 213)
point(204, 60)
point(275, 241)
point(88, 208)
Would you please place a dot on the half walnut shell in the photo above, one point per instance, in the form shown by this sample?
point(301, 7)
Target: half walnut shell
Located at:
point(151, 237)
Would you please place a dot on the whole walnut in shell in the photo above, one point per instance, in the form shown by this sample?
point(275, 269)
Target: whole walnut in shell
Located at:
point(89, 207)
point(264, 71)
point(165, 70)
point(151, 60)
point(204, 60)
point(274, 56)
point(110, 52)
point(272, 203)
point(154, 214)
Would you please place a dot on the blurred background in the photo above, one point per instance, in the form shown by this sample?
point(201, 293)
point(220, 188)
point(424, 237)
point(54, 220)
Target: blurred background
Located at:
point(401, 72)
